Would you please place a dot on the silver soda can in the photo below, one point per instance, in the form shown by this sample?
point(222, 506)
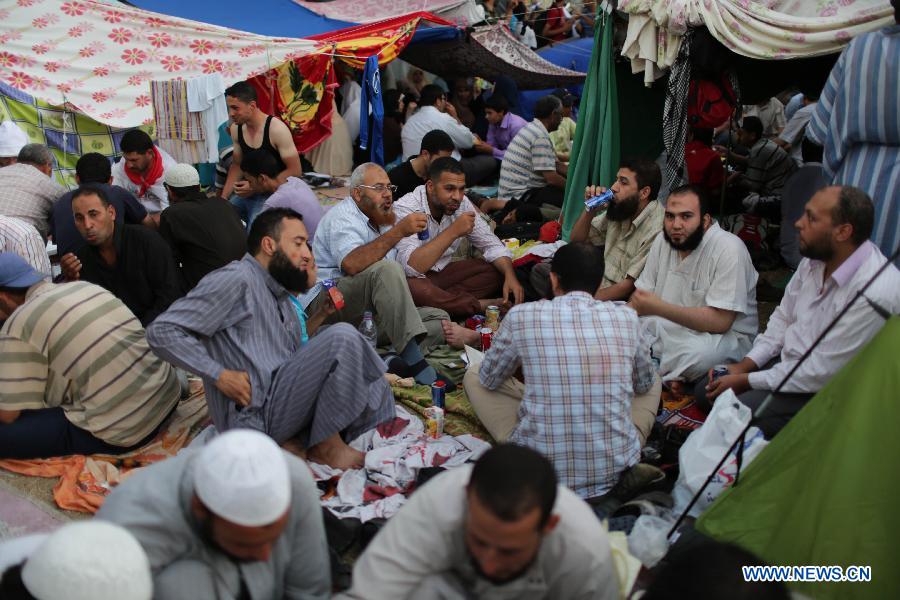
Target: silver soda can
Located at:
point(719, 371)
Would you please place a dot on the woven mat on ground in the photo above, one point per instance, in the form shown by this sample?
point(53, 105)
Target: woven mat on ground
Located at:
point(329, 196)
point(84, 481)
point(459, 417)
point(679, 408)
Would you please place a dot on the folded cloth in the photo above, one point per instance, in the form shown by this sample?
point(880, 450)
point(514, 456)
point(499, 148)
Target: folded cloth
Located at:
point(86, 480)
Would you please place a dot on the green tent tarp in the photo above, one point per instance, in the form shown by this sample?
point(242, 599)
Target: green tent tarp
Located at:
point(825, 491)
point(595, 150)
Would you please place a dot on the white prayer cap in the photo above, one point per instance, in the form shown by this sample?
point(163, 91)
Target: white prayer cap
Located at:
point(89, 560)
point(242, 477)
point(12, 138)
point(182, 175)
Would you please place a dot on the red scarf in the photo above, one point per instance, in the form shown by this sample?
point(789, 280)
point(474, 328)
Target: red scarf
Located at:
point(154, 172)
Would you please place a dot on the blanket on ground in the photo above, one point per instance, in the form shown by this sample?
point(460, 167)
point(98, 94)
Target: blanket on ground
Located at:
point(84, 481)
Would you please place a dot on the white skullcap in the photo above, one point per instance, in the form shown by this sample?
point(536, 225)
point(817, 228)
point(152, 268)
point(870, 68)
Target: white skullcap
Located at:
point(12, 138)
point(242, 477)
point(182, 175)
point(89, 560)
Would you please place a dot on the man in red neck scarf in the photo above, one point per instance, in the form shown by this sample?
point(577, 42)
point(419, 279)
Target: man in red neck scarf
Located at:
point(141, 171)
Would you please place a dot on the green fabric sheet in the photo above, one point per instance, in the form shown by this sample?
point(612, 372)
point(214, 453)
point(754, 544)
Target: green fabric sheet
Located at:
point(825, 490)
point(595, 152)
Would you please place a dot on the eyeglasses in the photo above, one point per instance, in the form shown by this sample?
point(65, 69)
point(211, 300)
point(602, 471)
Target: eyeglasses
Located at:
point(380, 188)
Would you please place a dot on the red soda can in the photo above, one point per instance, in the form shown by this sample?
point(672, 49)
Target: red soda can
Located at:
point(486, 335)
point(475, 322)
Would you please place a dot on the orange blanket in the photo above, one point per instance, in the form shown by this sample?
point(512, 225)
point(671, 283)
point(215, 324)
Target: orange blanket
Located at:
point(84, 481)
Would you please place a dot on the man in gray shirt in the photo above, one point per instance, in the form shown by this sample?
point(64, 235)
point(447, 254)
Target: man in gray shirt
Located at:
point(242, 329)
point(238, 519)
point(503, 529)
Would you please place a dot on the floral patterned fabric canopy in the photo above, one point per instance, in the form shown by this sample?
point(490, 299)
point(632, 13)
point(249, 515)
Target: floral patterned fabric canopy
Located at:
point(98, 58)
point(763, 29)
point(461, 12)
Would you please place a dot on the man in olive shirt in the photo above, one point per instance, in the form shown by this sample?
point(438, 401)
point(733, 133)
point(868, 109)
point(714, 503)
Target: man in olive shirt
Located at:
point(625, 228)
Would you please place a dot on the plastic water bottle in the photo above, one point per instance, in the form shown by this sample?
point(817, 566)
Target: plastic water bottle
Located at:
point(367, 329)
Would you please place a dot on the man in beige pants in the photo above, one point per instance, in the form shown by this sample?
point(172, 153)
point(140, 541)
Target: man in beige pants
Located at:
point(498, 409)
point(583, 361)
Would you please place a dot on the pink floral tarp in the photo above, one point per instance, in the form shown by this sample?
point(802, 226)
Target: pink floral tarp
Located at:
point(99, 58)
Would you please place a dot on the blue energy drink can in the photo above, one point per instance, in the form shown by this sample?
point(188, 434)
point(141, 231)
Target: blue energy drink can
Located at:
point(599, 200)
point(438, 392)
point(424, 234)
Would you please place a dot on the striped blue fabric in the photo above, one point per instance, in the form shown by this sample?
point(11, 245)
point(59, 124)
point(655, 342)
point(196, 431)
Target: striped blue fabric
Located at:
point(857, 120)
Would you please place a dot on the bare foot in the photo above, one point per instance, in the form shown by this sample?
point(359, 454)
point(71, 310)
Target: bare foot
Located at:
point(336, 454)
point(489, 302)
point(458, 336)
point(295, 448)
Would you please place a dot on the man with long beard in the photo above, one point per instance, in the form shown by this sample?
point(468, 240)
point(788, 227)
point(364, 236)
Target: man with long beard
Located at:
point(697, 292)
point(356, 247)
point(839, 260)
point(243, 330)
point(501, 529)
point(625, 228)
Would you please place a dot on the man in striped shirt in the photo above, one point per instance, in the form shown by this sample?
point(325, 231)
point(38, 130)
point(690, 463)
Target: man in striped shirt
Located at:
point(857, 120)
point(529, 164)
point(76, 374)
point(768, 167)
point(20, 237)
point(263, 362)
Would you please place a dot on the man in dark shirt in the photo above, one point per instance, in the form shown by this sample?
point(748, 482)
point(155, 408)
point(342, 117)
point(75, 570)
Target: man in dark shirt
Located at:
point(93, 169)
point(204, 233)
point(132, 262)
point(411, 174)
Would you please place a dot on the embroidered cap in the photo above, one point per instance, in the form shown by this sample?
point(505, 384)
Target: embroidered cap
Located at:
point(12, 138)
point(242, 477)
point(89, 560)
point(182, 175)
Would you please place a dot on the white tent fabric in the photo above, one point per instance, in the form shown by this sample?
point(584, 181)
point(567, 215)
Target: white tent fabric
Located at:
point(99, 58)
point(764, 29)
point(460, 12)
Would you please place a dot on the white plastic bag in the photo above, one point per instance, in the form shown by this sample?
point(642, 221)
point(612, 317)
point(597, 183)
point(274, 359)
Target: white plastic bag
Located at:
point(647, 540)
point(705, 447)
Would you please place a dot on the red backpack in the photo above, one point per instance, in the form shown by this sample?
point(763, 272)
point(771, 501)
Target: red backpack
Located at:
point(710, 103)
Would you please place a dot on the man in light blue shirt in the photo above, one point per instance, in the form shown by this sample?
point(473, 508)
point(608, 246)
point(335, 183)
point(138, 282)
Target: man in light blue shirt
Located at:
point(355, 245)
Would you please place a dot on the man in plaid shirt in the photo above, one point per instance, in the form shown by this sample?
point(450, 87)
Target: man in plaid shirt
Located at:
point(583, 361)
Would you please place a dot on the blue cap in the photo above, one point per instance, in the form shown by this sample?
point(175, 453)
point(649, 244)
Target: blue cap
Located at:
point(16, 273)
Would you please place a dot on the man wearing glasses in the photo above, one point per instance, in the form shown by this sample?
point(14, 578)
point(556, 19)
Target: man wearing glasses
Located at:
point(355, 246)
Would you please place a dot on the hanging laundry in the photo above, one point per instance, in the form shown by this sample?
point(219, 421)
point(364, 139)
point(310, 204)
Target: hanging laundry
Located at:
point(206, 95)
point(179, 131)
point(371, 97)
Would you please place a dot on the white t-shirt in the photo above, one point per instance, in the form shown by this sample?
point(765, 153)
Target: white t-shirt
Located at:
point(719, 274)
point(426, 119)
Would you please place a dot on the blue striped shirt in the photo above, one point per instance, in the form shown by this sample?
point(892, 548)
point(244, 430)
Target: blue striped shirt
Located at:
point(528, 154)
point(857, 120)
point(237, 318)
